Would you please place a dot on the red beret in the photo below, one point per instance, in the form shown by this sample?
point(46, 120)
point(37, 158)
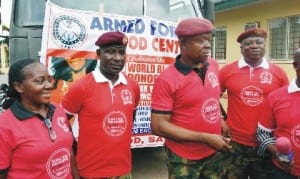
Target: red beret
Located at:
point(112, 38)
point(193, 26)
point(256, 32)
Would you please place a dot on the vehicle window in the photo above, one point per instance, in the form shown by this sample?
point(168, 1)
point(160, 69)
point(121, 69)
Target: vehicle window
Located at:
point(25, 16)
point(124, 7)
point(172, 10)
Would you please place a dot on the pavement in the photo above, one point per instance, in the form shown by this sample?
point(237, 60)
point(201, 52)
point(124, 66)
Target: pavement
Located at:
point(149, 163)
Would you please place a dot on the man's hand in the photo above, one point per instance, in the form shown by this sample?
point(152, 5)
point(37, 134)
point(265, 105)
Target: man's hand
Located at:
point(218, 142)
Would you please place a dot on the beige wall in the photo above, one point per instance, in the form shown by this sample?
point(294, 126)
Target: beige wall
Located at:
point(235, 19)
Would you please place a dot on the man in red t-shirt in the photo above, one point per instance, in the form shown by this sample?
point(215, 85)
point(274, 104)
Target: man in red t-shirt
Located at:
point(247, 83)
point(281, 118)
point(104, 100)
point(185, 106)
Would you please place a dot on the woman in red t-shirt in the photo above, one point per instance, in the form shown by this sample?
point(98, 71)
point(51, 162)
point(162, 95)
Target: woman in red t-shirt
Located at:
point(35, 139)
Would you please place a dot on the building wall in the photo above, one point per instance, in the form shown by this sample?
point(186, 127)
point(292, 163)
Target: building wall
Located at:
point(235, 19)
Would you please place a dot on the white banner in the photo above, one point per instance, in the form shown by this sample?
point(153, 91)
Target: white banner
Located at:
point(152, 45)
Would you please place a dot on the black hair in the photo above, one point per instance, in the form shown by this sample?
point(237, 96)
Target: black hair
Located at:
point(62, 71)
point(15, 74)
point(90, 65)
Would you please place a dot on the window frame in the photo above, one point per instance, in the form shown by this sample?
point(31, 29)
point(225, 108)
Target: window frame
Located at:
point(216, 41)
point(282, 38)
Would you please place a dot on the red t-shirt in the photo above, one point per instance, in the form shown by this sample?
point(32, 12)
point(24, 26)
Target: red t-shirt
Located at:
point(247, 89)
point(105, 118)
point(281, 113)
point(26, 149)
point(194, 105)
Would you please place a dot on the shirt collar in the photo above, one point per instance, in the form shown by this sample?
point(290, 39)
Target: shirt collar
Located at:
point(183, 68)
point(242, 63)
point(100, 78)
point(293, 87)
point(21, 113)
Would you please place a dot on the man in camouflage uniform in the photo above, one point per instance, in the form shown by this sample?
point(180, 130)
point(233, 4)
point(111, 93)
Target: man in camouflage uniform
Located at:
point(185, 106)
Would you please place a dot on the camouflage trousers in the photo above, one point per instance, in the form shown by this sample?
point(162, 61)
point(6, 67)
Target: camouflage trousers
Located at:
point(127, 176)
point(243, 162)
point(207, 168)
point(277, 173)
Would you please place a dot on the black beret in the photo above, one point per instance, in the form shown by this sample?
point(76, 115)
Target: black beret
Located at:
point(256, 32)
point(193, 26)
point(112, 38)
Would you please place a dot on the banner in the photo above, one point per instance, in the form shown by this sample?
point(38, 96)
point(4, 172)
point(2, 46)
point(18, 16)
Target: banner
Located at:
point(69, 52)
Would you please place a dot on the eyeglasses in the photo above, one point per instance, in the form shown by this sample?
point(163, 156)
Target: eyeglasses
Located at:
point(48, 124)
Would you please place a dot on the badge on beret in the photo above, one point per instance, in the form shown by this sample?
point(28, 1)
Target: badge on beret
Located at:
point(193, 26)
point(125, 40)
point(258, 31)
point(112, 38)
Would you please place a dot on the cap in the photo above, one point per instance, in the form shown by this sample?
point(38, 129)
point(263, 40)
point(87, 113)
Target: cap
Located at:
point(256, 32)
point(112, 38)
point(193, 26)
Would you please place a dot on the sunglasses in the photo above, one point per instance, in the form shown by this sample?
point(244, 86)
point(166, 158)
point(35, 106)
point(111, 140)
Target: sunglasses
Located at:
point(48, 124)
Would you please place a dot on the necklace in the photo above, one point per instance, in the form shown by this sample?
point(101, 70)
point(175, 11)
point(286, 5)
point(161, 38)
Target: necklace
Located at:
point(79, 70)
point(41, 110)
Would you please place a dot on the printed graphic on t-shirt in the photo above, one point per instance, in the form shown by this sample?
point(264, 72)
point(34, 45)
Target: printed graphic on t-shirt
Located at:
point(212, 78)
point(296, 135)
point(61, 122)
point(252, 95)
point(210, 110)
point(126, 97)
point(58, 164)
point(265, 77)
point(115, 123)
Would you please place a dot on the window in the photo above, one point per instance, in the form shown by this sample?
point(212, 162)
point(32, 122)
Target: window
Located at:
point(33, 18)
point(171, 10)
point(219, 43)
point(284, 37)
